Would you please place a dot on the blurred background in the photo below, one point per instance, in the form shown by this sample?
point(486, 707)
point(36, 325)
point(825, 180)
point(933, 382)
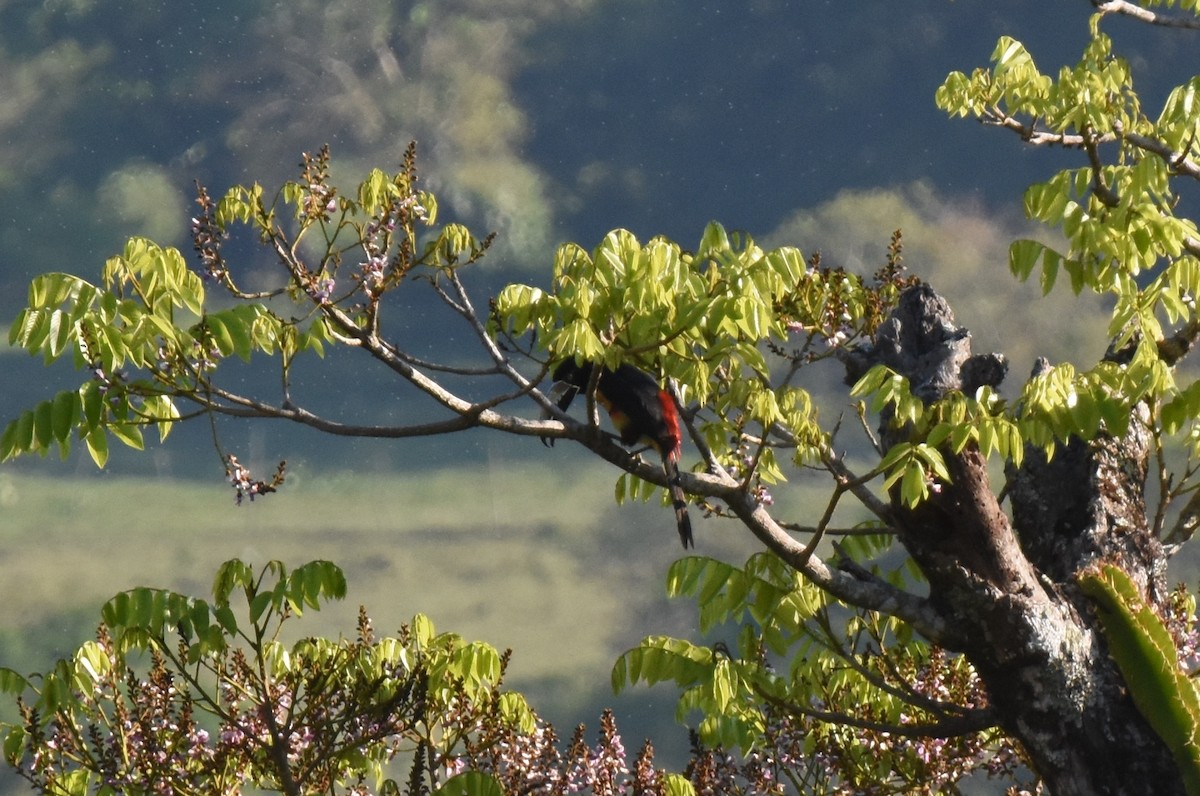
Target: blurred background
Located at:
point(811, 124)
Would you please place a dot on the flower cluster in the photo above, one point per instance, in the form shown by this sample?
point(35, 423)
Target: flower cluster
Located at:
point(371, 270)
point(245, 484)
point(846, 758)
point(139, 735)
point(320, 199)
point(743, 464)
point(328, 716)
point(837, 308)
point(208, 237)
point(715, 772)
point(203, 357)
point(311, 722)
point(391, 230)
point(533, 763)
point(322, 289)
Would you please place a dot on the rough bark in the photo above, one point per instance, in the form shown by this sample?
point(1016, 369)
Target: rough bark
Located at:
point(1009, 583)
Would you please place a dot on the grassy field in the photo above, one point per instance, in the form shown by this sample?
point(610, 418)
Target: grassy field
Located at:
point(502, 561)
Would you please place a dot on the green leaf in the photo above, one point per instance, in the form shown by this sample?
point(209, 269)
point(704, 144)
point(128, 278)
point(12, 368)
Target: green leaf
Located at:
point(578, 339)
point(516, 712)
point(714, 243)
point(913, 486)
point(677, 785)
point(939, 434)
point(871, 381)
point(1023, 256)
point(14, 742)
point(163, 411)
point(92, 401)
point(97, 445)
point(92, 663)
point(309, 584)
point(11, 682)
point(18, 436)
point(1181, 409)
point(225, 617)
point(221, 335)
point(470, 783)
point(772, 594)
point(660, 659)
point(724, 684)
point(259, 603)
point(233, 574)
point(130, 433)
point(43, 425)
point(65, 414)
point(74, 783)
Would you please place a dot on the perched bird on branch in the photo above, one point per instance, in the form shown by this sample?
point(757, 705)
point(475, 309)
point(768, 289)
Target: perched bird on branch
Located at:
point(642, 412)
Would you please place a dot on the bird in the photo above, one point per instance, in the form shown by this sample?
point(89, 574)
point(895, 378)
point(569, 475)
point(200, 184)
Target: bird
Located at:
point(642, 411)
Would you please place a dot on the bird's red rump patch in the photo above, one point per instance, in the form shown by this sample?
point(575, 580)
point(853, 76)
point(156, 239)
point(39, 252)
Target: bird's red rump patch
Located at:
point(670, 419)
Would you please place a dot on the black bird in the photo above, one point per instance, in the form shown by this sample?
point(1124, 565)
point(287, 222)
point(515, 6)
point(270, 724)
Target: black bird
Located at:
point(642, 412)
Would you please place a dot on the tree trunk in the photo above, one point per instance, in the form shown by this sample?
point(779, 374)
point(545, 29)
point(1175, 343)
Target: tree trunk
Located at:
point(1008, 585)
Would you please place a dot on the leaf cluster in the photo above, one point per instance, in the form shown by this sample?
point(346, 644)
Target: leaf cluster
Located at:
point(849, 702)
point(1118, 217)
point(224, 702)
point(153, 334)
point(731, 324)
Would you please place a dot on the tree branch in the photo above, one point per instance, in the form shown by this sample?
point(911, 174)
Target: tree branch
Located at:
point(869, 530)
point(472, 416)
point(1029, 133)
point(1134, 11)
point(1174, 348)
point(1187, 523)
point(967, 724)
point(871, 594)
point(1178, 161)
point(857, 486)
point(1100, 187)
point(904, 691)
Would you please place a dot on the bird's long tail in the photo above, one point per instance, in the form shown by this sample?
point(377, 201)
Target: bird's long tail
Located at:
point(682, 520)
